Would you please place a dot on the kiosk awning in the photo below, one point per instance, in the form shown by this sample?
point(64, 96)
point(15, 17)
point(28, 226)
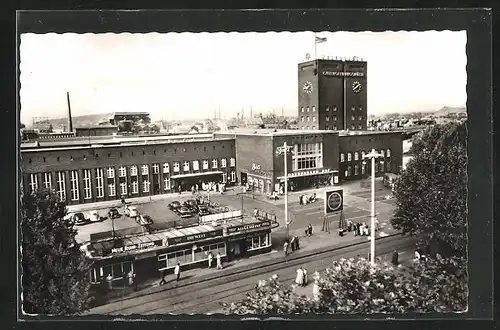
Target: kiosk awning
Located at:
point(187, 175)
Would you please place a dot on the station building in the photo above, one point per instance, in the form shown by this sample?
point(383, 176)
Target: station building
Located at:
point(316, 158)
point(83, 170)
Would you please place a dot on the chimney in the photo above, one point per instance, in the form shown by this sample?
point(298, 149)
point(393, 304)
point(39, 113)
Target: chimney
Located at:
point(70, 119)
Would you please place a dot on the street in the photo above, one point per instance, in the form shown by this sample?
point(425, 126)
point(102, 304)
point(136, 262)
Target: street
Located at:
point(207, 296)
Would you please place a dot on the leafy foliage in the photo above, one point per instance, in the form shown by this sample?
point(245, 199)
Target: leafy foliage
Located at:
point(354, 286)
point(55, 272)
point(431, 194)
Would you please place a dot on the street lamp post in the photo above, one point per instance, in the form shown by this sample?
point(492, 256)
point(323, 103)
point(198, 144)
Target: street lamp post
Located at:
point(283, 150)
point(372, 155)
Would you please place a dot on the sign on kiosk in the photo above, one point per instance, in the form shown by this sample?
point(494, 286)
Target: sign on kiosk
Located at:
point(334, 201)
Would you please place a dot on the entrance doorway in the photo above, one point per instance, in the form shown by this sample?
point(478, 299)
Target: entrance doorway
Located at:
point(244, 179)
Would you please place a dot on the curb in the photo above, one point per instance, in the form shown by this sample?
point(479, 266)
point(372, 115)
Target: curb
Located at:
point(243, 269)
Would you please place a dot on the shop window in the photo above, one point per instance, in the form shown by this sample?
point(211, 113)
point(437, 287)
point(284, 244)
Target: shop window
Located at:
point(258, 242)
point(117, 271)
point(135, 187)
point(166, 184)
point(233, 176)
point(349, 170)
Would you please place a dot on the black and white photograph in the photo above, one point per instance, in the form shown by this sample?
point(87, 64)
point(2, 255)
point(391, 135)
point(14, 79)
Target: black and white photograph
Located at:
point(243, 173)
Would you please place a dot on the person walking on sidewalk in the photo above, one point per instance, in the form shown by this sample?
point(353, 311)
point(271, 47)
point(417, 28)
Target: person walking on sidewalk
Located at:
point(109, 279)
point(299, 279)
point(177, 271)
point(395, 258)
point(305, 281)
point(285, 248)
point(162, 281)
point(292, 243)
point(131, 280)
point(210, 259)
point(219, 261)
point(310, 229)
point(297, 246)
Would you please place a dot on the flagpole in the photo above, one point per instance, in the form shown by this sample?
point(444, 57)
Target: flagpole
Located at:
point(315, 46)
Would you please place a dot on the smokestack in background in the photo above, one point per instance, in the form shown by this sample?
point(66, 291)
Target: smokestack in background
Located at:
point(70, 119)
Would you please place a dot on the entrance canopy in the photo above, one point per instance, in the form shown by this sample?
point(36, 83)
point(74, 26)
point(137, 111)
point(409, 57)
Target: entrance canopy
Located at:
point(190, 175)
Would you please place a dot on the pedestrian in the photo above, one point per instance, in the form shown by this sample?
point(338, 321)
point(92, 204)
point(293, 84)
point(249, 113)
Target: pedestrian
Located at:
point(192, 190)
point(219, 261)
point(310, 229)
point(292, 243)
point(297, 246)
point(349, 225)
point(355, 230)
point(285, 248)
point(210, 258)
point(306, 231)
point(358, 229)
point(300, 199)
point(131, 280)
point(179, 189)
point(162, 281)
point(123, 201)
point(109, 279)
point(196, 188)
point(299, 279)
point(417, 256)
point(304, 273)
point(395, 258)
point(177, 271)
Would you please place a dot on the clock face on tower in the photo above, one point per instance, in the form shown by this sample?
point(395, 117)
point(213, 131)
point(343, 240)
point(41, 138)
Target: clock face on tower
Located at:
point(356, 87)
point(307, 87)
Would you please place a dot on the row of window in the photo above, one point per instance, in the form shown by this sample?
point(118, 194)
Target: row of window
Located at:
point(307, 156)
point(328, 108)
point(384, 153)
point(84, 157)
point(114, 272)
point(379, 167)
point(189, 256)
point(334, 127)
point(100, 183)
point(327, 118)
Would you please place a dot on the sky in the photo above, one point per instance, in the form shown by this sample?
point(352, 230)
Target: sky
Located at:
point(190, 75)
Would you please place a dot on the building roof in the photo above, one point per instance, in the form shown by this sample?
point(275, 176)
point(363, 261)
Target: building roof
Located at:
point(273, 131)
point(130, 114)
point(114, 141)
point(96, 127)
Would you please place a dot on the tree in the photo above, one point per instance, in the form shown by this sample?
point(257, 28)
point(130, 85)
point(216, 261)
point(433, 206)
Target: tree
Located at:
point(431, 194)
point(55, 272)
point(353, 286)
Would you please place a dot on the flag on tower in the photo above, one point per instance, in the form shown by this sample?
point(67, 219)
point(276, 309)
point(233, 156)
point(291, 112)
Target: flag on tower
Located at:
point(319, 40)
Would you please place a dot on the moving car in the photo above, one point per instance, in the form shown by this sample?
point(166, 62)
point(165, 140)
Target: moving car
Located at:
point(174, 205)
point(185, 212)
point(113, 213)
point(94, 216)
point(131, 211)
point(144, 220)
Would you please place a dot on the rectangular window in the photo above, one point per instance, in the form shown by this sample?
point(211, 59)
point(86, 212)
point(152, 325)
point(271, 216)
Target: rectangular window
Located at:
point(232, 162)
point(313, 118)
point(356, 169)
point(233, 176)
point(307, 109)
point(87, 185)
point(166, 168)
point(349, 157)
point(360, 118)
point(381, 166)
point(334, 108)
point(156, 168)
point(110, 172)
point(388, 152)
point(258, 242)
point(74, 186)
point(123, 188)
point(111, 189)
point(353, 118)
point(356, 156)
point(302, 118)
point(122, 171)
point(205, 164)
point(185, 166)
point(99, 182)
point(307, 118)
point(135, 186)
point(327, 118)
point(117, 271)
point(223, 163)
point(145, 169)
point(313, 108)
point(302, 109)
point(363, 169)
point(327, 108)
point(214, 163)
point(176, 167)
point(166, 183)
point(342, 157)
point(33, 182)
point(224, 177)
point(388, 166)
point(196, 165)
point(133, 171)
point(47, 180)
point(61, 185)
point(145, 186)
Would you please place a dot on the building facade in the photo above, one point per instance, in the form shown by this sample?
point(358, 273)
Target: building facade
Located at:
point(332, 95)
point(128, 167)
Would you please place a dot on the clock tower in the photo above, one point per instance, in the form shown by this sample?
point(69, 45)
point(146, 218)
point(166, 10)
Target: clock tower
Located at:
point(332, 95)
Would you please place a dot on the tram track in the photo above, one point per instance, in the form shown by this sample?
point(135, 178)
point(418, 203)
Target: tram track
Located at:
point(207, 295)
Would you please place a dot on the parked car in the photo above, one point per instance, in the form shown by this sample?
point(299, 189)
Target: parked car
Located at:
point(113, 213)
point(131, 211)
point(174, 205)
point(191, 204)
point(203, 210)
point(94, 216)
point(79, 219)
point(144, 220)
point(185, 212)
